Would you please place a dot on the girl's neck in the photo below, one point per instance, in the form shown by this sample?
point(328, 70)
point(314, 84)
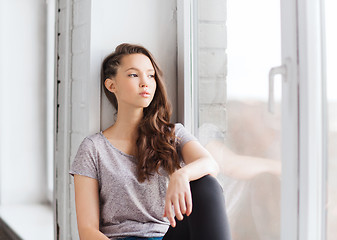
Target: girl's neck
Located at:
point(127, 123)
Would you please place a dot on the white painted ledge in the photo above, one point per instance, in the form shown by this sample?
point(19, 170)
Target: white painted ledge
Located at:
point(31, 222)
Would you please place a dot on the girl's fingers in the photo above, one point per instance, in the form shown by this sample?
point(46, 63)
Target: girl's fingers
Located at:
point(168, 213)
point(182, 204)
point(188, 198)
point(177, 211)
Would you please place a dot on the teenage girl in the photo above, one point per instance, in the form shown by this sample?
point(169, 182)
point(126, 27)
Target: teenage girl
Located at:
point(144, 177)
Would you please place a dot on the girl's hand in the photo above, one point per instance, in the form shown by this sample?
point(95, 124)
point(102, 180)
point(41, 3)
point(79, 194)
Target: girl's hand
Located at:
point(179, 195)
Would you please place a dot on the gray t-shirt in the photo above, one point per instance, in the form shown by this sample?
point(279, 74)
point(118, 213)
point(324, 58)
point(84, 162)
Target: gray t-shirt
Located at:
point(127, 207)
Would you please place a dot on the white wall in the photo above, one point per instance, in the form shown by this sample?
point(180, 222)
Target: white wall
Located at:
point(151, 23)
point(22, 101)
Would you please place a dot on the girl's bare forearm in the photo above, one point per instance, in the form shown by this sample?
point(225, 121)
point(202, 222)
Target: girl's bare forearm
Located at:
point(90, 234)
point(199, 168)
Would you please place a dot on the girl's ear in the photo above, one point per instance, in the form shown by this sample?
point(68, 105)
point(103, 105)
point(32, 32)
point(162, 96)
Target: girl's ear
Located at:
point(110, 84)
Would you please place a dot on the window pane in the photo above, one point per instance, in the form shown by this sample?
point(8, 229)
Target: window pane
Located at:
point(237, 43)
point(331, 53)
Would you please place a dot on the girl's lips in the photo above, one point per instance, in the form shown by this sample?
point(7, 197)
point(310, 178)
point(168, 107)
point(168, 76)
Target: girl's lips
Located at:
point(145, 94)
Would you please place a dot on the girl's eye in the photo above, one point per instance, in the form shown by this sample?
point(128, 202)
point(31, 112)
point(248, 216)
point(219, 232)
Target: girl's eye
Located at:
point(132, 75)
point(151, 76)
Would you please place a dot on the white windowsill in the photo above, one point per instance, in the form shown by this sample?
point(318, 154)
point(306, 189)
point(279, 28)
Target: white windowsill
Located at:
point(33, 221)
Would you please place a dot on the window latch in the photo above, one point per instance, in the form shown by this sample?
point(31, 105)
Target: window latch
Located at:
point(272, 73)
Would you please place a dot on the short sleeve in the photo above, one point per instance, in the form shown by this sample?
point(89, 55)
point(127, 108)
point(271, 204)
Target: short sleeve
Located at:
point(85, 161)
point(183, 135)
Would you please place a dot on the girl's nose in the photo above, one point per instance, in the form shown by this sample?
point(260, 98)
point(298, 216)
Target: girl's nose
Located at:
point(143, 85)
point(143, 82)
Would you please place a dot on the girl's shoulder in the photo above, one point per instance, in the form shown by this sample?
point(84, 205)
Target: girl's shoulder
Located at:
point(180, 129)
point(178, 125)
point(183, 135)
point(95, 138)
point(92, 143)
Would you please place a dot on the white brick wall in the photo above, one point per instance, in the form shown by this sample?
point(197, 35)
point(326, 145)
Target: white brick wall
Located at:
point(212, 91)
point(212, 10)
point(212, 35)
point(63, 120)
point(73, 72)
point(212, 62)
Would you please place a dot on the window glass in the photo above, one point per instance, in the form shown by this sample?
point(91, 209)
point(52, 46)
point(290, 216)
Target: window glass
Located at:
point(236, 43)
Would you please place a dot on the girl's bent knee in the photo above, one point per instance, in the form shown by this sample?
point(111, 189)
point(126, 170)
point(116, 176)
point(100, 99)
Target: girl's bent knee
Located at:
point(207, 187)
point(207, 181)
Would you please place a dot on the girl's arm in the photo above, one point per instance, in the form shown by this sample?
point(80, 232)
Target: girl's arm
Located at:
point(87, 208)
point(199, 163)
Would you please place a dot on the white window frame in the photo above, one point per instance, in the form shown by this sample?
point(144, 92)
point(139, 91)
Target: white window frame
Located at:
point(312, 120)
point(184, 86)
point(187, 35)
point(290, 154)
point(50, 88)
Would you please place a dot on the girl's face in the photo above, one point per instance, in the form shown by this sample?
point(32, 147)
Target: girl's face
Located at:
point(134, 83)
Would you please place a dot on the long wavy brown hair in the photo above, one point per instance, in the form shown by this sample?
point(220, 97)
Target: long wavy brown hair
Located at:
point(156, 143)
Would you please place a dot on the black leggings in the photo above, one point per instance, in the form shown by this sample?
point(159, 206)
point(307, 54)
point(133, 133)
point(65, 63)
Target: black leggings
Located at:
point(208, 220)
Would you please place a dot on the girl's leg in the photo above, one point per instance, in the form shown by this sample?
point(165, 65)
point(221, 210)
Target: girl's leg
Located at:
point(180, 232)
point(208, 219)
